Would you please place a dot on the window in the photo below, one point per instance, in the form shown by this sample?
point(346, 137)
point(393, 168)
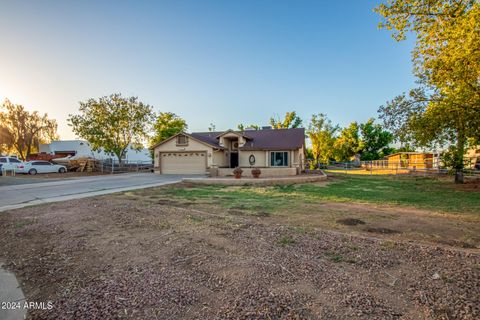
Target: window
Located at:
point(3, 160)
point(41, 163)
point(14, 160)
point(182, 140)
point(279, 159)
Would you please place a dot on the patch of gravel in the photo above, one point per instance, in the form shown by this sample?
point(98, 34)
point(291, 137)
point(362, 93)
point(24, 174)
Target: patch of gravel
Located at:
point(256, 302)
point(140, 293)
point(128, 260)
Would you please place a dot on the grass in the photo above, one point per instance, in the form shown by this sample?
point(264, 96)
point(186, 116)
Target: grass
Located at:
point(22, 223)
point(195, 219)
point(336, 257)
point(286, 241)
point(419, 192)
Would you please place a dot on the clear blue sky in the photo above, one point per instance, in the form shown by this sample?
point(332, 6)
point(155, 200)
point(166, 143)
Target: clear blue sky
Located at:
point(221, 62)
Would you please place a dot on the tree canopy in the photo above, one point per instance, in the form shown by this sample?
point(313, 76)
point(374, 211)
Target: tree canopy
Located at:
point(445, 109)
point(113, 123)
point(166, 125)
point(291, 120)
point(322, 132)
point(242, 127)
point(22, 131)
point(348, 143)
point(375, 141)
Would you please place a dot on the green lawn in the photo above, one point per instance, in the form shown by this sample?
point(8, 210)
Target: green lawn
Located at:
point(427, 193)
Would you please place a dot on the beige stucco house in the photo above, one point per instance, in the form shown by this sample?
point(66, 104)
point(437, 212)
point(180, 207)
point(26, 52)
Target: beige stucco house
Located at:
point(277, 152)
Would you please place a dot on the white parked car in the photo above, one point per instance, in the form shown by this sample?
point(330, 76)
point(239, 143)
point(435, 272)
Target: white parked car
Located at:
point(39, 166)
point(11, 163)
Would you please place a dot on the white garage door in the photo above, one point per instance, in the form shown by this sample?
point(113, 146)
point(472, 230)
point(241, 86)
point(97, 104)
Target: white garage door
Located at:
point(183, 162)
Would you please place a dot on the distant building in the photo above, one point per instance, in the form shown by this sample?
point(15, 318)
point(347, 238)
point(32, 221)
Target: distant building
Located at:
point(472, 156)
point(413, 160)
point(81, 148)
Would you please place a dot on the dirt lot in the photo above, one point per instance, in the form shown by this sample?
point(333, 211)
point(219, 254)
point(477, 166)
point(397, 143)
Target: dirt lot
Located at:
point(149, 256)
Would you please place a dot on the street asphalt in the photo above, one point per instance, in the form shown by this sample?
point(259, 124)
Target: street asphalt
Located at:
point(18, 196)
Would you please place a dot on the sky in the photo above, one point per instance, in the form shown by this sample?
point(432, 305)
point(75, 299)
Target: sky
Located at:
point(220, 62)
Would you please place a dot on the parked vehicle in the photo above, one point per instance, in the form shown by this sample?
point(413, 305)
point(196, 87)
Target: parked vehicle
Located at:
point(11, 163)
point(38, 166)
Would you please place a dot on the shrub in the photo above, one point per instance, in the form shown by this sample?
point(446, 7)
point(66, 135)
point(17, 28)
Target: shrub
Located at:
point(256, 172)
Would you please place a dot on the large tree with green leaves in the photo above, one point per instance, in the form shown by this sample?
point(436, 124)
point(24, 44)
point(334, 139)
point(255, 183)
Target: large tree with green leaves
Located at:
point(113, 123)
point(291, 120)
point(167, 124)
point(322, 133)
point(22, 131)
point(375, 141)
point(445, 109)
point(348, 143)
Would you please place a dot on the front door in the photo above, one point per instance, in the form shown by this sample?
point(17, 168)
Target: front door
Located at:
point(233, 159)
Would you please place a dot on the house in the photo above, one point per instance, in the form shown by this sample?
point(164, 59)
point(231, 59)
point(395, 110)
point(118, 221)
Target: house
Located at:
point(81, 148)
point(277, 152)
point(413, 160)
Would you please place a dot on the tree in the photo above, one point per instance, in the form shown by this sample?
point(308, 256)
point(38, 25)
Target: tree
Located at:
point(212, 127)
point(113, 123)
point(322, 132)
point(291, 120)
point(445, 109)
point(167, 124)
point(4, 134)
point(375, 141)
point(21, 131)
point(348, 143)
point(242, 127)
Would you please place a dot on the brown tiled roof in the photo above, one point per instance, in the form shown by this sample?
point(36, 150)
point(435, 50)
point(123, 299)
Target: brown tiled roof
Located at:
point(267, 139)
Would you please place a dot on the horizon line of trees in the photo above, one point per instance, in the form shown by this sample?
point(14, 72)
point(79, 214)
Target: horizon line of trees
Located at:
point(114, 123)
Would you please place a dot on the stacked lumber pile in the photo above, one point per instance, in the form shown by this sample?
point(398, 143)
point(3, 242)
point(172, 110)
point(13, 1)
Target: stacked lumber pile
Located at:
point(83, 165)
point(80, 164)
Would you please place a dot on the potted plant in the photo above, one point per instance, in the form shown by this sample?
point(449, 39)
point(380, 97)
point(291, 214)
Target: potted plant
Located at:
point(237, 172)
point(256, 172)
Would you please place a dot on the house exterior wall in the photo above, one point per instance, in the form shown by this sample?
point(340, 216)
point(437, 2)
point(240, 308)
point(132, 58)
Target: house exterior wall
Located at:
point(298, 158)
point(227, 138)
point(243, 158)
point(219, 158)
point(193, 145)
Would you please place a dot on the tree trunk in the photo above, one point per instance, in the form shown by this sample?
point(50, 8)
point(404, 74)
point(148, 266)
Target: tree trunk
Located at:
point(119, 157)
point(459, 158)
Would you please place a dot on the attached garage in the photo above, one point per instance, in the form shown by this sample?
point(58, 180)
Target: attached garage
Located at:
point(190, 162)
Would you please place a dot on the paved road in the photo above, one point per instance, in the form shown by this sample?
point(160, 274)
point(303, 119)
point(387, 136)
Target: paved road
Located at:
point(18, 196)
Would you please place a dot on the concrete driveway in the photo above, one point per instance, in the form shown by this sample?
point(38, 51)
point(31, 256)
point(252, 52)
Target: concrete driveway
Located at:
point(18, 196)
